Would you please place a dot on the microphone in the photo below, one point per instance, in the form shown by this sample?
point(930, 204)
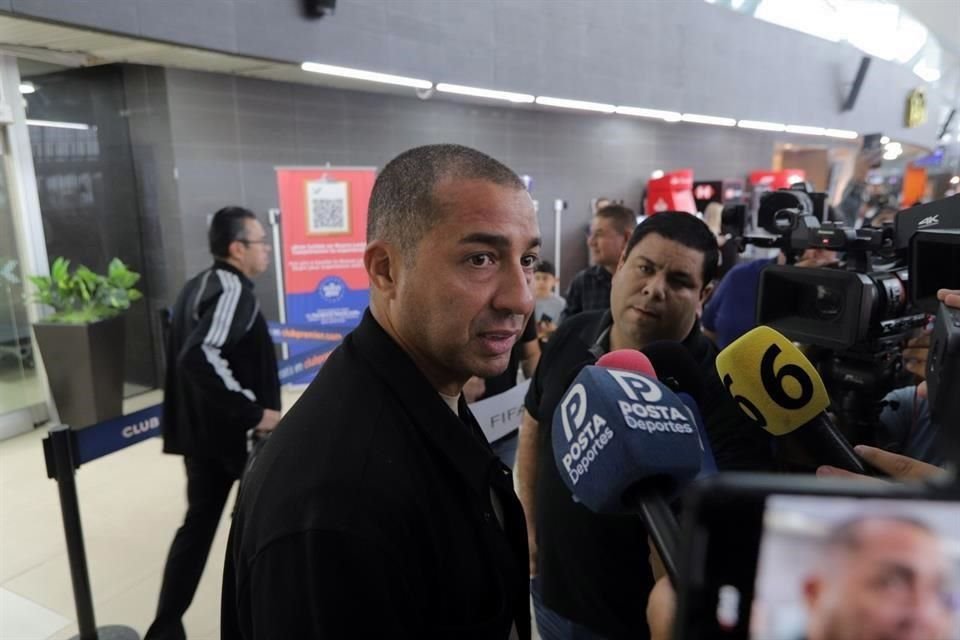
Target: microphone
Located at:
point(628, 360)
point(623, 442)
point(779, 389)
point(676, 368)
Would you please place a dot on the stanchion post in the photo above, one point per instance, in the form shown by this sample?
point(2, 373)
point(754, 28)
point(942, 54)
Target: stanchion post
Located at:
point(61, 451)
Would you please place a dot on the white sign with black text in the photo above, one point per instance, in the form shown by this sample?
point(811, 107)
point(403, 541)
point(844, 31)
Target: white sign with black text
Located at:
point(500, 415)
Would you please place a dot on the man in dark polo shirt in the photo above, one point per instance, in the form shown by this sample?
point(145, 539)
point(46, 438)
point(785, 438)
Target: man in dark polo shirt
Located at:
point(591, 574)
point(590, 288)
point(377, 509)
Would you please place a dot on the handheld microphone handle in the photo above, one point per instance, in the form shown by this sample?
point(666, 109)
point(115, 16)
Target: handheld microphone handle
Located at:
point(661, 525)
point(831, 447)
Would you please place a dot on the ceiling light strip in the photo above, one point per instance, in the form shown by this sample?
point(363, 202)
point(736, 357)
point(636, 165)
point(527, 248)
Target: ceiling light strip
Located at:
point(697, 118)
point(492, 94)
point(79, 126)
point(565, 103)
point(370, 76)
point(657, 114)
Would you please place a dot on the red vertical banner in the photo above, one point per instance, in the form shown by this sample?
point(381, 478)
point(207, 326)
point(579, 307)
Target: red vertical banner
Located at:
point(323, 230)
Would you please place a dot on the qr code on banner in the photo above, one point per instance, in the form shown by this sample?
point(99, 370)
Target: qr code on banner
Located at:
point(327, 210)
point(327, 215)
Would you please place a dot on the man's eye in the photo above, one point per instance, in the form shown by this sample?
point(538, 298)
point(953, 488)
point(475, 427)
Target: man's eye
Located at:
point(529, 261)
point(481, 260)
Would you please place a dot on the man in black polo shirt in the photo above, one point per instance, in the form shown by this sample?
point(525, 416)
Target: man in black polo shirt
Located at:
point(590, 288)
point(377, 509)
point(591, 573)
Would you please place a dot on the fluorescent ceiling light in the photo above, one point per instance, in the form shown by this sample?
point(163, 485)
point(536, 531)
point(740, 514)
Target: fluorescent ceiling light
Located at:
point(371, 76)
point(929, 74)
point(697, 118)
point(484, 93)
point(955, 180)
point(564, 103)
point(884, 140)
point(808, 131)
point(841, 133)
point(58, 125)
point(27, 88)
point(761, 125)
point(668, 116)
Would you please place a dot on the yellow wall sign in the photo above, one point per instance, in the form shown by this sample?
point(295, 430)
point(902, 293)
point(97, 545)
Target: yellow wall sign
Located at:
point(916, 108)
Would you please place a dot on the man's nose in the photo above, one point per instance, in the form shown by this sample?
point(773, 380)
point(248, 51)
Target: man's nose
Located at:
point(656, 286)
point(514, 291)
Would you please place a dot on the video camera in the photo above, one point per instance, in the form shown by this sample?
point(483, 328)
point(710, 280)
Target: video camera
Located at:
point(856, 316)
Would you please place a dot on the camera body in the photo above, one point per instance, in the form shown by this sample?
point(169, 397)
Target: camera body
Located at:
point(870, 301)
point(856, 317)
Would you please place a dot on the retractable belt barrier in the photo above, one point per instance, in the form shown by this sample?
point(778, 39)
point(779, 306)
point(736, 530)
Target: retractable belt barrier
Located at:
point(64, 450)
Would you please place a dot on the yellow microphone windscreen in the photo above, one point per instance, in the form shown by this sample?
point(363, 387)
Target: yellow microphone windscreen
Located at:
point(772, 381)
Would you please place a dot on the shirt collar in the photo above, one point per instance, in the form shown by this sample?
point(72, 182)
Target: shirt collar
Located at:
point(458, 439)
point(601, 344)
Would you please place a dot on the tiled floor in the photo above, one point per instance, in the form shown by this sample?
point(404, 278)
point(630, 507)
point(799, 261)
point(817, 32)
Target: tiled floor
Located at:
point(131, 503)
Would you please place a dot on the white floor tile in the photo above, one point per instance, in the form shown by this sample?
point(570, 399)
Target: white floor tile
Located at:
point(23, 619)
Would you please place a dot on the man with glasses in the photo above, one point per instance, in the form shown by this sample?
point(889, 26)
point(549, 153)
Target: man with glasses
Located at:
point(222, 391)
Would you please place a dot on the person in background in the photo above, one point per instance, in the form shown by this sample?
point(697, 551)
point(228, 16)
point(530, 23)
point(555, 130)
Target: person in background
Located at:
point(590, 288)
point(853, 204)
point(549, 305)
point(222, 389)
point(729, 252)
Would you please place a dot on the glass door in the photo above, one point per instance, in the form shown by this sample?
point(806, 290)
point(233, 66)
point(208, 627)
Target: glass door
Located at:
point(21, 388)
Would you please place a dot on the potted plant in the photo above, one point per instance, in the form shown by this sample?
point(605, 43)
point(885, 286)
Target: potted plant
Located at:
point(82, 341)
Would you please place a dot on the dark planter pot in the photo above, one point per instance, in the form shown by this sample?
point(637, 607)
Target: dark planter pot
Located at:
point(84, 364)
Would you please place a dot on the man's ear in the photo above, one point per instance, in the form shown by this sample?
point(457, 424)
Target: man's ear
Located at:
point(382, 262)
point(704, 294)
point(234, 250)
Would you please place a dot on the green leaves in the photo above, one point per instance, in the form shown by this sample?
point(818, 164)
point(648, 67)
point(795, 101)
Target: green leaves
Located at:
point(85, 296)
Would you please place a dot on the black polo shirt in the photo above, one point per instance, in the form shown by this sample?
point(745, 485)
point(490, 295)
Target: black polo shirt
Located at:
point(588, 291)
point(594, 569)
point(369, 514)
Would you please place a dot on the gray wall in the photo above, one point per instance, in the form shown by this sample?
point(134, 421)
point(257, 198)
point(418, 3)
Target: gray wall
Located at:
point(684, 55)
point(228, 135)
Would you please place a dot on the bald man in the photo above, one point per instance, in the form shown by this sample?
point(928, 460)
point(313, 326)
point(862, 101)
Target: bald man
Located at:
point(881, 578)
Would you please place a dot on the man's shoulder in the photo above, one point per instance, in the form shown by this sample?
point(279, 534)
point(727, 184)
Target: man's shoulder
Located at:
point(581, 327)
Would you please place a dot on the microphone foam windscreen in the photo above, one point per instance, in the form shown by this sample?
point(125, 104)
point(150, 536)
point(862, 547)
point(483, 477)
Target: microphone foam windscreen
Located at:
point(676, 367)
point(628, 360)
point(772, 381)
point(614, 429)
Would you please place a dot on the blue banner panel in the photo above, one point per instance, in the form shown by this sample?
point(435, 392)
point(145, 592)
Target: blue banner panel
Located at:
point(302, 366)
point(112, 435)
point(290, 333)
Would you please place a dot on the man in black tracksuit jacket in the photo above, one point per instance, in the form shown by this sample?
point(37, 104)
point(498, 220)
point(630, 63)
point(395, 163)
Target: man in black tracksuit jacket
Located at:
point(222, 390)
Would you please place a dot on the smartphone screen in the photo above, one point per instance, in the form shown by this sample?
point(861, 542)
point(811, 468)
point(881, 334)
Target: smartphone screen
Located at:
point(781, 559)
point(851, 564)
